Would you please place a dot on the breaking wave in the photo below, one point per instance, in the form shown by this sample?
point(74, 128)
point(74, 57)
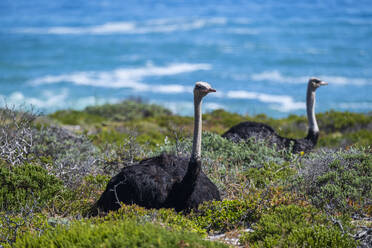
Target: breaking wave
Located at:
point(276, 76)
point(52, 100)
point(131, 27)
point(127, 77)
point(281, 103)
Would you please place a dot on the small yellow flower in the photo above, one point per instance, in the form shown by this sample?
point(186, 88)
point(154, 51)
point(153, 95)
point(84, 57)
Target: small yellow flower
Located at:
point(302, 153)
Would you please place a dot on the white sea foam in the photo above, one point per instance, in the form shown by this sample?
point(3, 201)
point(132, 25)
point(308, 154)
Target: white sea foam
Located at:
point(127, 77)
point(355, 105)
point(276, 76)
point(46, 99)
point(187, 107)
point(281, 103)
point(170, 88)
point(131, 27)
point(213, 106)
point(180, 107)
point(52, 100)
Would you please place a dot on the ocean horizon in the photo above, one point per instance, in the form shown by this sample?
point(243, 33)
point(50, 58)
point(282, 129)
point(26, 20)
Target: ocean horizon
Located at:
point(258, 55)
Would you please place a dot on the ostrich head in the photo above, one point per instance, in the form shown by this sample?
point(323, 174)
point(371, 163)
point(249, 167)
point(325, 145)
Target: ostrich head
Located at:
point(315, 83)
point(202, 89)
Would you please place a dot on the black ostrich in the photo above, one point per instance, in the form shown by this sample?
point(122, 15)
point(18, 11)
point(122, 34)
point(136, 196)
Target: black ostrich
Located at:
point(246, 130)
point(165, 181)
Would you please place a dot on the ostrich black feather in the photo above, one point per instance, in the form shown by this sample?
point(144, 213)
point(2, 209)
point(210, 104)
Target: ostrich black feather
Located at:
point(259, 131)
point(159, 182)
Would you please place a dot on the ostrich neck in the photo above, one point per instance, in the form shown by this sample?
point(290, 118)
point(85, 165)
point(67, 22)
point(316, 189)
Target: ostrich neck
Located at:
point(196, 145)
point(182, 191)
point(310, 108)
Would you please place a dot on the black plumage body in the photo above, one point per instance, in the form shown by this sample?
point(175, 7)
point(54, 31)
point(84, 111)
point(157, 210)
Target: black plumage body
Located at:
point(260, 131)
point(165, 181)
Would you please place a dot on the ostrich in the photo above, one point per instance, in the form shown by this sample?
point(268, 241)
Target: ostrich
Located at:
point(165, 181)
point(246, 130)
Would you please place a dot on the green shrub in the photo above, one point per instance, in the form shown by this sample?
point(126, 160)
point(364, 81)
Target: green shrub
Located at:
point(78, 201)
point(248, 154)
point(221, 216)
point(295, 226)
point(66, 155)
point(333, 121)
point(13, 225)
point(164, 217)
point(337, 181)
point(123, 111)
point(269, 173)
point(111, 233)
point(21, 184)
point(360, 137)
point(75, 117)
point(127, 110)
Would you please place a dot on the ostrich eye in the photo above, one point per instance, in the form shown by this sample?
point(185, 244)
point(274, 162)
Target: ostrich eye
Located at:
point(200, 87)
point(315, 81)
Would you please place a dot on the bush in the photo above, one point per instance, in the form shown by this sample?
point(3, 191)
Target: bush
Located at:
point(337, 181)
point(164, 217)
point(22, 184)
point(16, 139)
point(124, 111)
point(295, 226)
point(78, 201)
point(127, 110)
point(247, 154)
point(222, 216)
point(13, 225)
point(269, 174)
point(75, 117)
point(66, 155)
point(334, 121)
point(111, 233)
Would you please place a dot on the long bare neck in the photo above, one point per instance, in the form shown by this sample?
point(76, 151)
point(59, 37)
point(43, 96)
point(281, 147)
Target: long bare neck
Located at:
point(182, 191)
point(310, 109)
point(196, 144)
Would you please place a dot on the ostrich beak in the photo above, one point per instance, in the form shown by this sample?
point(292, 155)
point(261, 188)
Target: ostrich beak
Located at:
point(323, 83)
point(211, 90)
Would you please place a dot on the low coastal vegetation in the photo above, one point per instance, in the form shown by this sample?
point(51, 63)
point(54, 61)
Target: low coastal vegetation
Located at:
point(53, 168)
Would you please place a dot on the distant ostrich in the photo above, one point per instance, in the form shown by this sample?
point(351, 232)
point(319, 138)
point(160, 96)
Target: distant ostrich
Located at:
point(246, 130)
point(165, 181)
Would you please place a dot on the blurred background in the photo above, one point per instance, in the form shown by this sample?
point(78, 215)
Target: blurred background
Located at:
point(259, 55)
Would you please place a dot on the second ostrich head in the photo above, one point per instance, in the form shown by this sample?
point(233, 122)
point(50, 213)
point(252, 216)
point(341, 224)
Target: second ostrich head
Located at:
point(201, 89)
point(315, 83)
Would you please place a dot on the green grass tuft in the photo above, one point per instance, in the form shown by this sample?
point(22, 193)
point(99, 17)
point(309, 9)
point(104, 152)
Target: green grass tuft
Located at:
point(123, 233)
point(295, 226)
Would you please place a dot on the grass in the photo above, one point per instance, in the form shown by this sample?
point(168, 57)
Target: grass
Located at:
point(295, 226)
point(123, 233)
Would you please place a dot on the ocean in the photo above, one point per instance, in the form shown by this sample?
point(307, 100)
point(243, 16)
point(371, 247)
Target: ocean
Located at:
point(258, 55)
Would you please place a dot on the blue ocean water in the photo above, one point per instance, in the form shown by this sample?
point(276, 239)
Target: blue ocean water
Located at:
point(57, 54)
